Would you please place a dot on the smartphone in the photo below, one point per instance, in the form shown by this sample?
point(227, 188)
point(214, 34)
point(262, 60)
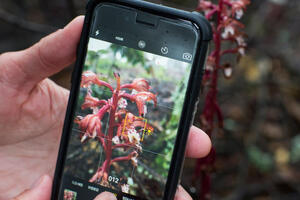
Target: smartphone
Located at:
point(134, 90)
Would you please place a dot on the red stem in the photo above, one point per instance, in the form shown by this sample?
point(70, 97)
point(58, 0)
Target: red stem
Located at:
point(102, 140)
point(118, 159)
point(127, 96)
point(219, 115)
point(112, 122)
point(228, 51)
point(217, 41)
point(102, 102)
point(105, 84)
point(211, 13)
point(211, 107)
point(102, 111)
point(213, 53)
point(128, 86)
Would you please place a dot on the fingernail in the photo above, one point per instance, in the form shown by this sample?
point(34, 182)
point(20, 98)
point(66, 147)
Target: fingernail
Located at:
point(106, 196)
point(38, 182)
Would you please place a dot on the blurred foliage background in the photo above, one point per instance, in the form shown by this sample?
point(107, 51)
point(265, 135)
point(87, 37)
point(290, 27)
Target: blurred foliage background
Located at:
point(258, 152)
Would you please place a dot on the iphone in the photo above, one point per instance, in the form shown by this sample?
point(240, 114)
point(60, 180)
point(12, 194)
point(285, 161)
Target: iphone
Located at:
point(134, 90)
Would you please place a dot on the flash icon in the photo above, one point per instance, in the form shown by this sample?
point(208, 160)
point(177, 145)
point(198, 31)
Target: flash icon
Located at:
point(142, 44)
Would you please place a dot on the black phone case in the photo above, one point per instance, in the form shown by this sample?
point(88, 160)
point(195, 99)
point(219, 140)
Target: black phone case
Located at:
point(192, 93)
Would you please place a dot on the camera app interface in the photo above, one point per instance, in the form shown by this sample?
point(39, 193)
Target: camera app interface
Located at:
point(125, 122)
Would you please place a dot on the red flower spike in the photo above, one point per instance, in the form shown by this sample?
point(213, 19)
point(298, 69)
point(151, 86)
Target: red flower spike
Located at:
point(224, 16)
point(129, 127)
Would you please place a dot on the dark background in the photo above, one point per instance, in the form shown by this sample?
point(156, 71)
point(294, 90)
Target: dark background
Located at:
point(258, 152)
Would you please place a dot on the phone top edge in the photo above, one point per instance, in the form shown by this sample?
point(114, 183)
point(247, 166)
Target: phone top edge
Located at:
point(156, 32)
point(195, 17)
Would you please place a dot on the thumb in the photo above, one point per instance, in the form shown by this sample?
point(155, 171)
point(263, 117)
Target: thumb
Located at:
point(24, 69)
point(181, 194)
point(40, 191)
point(106, 196)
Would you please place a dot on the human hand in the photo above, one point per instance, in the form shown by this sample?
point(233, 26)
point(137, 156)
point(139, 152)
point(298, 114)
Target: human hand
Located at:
point(198, 146)
point(32, 112)
point(32, 108)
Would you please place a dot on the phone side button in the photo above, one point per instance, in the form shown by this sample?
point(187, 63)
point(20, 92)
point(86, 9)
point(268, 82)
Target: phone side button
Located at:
point(181, 171)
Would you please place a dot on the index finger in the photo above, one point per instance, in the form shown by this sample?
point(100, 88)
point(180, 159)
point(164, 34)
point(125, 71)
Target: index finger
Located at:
point(23, 69)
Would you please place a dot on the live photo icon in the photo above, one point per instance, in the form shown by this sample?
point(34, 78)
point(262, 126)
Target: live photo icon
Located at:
point(187, 56)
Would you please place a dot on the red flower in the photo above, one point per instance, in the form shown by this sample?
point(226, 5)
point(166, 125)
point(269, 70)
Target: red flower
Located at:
point(90, 125)
point(238, 8)
point(141, 99)
point(139, 84)
point(88, 78)
point(92, 102)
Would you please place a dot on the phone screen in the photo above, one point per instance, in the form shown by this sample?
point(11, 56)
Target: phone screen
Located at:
point(126, 117)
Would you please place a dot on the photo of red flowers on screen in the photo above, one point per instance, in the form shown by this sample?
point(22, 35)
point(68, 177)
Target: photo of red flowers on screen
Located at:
point(126, 119)
point(131, 129)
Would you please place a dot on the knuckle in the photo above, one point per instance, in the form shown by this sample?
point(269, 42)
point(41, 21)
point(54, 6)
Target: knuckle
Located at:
point(42, 55)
